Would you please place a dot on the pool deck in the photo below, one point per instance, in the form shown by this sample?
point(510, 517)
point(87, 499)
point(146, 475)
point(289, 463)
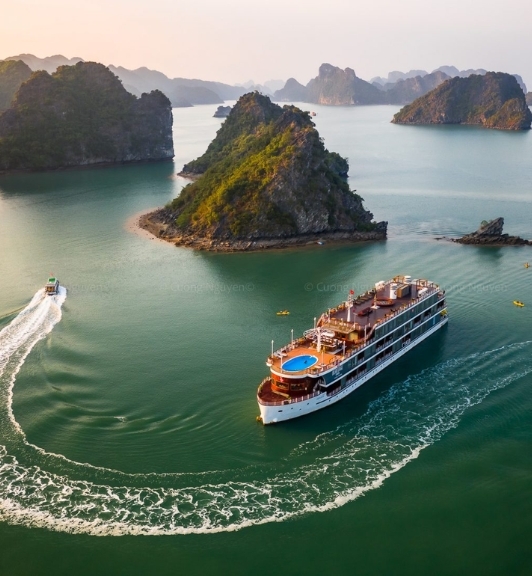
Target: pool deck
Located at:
point(324, 358)
point(336, 320)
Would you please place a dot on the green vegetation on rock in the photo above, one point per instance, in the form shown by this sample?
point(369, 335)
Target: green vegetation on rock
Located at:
point(82, 115)
point(12, 74)
point(267, 174)
point(494, 100)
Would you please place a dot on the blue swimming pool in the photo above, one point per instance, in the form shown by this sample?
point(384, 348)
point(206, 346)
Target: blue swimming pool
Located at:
point(299, 363)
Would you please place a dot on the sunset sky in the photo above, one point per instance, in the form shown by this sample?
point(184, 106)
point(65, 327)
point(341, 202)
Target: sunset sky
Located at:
point(237, 40)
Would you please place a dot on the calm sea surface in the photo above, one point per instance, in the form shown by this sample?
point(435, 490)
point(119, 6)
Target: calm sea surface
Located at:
point(128, 440)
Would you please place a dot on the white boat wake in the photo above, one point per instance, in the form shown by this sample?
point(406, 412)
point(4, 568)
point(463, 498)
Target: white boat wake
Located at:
point(333, 469)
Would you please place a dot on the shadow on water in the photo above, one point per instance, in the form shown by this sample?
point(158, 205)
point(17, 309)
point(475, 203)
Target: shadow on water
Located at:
point(291, 269)
point(133, 178)
point(490, 254)
point(427, 355)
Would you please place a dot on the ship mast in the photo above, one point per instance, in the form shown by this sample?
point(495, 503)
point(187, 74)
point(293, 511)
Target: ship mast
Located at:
point(350, 304)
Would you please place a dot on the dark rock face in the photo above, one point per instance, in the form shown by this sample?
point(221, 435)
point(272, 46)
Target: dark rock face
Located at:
point(529, 98)
point(492, 228)
point(12, 74)
point(82, 115)
point(222, 112)
point(338, 87)
point(494, 100)
point(266, 179)
point(293, 91)
point(490, 233)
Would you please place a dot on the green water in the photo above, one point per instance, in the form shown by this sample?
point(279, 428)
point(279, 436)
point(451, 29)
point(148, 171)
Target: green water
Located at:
point(136, 449)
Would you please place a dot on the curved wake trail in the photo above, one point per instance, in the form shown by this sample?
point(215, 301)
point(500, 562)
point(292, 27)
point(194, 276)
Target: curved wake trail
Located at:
point(18, 338)
point(334, 468)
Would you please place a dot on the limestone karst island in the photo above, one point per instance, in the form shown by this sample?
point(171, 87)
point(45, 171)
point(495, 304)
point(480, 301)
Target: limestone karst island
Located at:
point(494, 100)
point(80, 115)
point(265, 181)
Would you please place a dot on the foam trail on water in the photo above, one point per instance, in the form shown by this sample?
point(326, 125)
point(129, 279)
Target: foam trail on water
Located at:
point(336, 468)
point(18, 338)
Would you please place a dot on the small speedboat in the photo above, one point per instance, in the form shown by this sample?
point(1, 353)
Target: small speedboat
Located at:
point(283, 313)
point(52, 286)
point(527, 265)
point(518, 303)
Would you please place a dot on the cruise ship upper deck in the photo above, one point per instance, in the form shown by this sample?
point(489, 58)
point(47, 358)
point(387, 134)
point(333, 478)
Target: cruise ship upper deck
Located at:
point(344, 330)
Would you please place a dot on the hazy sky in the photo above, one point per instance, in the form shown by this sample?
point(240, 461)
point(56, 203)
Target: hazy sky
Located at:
point(235, 40)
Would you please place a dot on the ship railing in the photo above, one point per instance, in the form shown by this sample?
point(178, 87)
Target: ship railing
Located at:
point(368, 341)
point(282, 352)
point(264, 381)
point(290, 400)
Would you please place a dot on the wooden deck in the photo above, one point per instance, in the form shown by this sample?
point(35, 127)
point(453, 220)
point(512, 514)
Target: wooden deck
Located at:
point(365, 314)
point(299, 349)
point(269, 397)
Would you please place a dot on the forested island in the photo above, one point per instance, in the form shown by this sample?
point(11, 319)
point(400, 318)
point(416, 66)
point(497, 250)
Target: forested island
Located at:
point(265, 181)
point(12, 75)
point(494, 100)
point(82, 115)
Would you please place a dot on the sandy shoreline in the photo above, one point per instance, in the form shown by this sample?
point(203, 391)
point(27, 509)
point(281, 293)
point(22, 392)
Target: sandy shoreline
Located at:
point(133, 226)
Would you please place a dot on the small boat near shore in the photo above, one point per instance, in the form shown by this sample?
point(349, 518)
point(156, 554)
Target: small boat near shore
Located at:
point(283, 313)
point(51, 288)
point(518, 303)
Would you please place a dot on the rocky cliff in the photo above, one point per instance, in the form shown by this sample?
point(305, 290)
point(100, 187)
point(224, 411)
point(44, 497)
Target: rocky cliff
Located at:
point(494, 100)
point(337, 87)
point(82, 115)
point(12, 74)
point(490, 233)
point(265, 180)
point(529, 98)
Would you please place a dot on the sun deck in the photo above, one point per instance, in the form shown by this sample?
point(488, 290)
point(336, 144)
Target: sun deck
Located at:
point(344, 330)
